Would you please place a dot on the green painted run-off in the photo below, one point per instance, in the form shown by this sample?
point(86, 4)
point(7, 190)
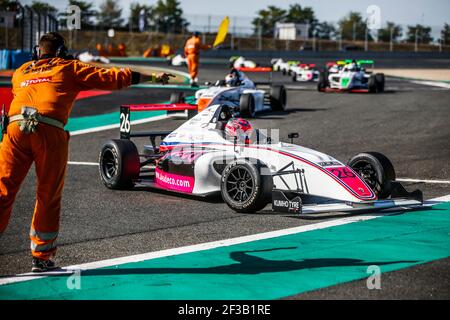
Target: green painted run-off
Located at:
point(264, 269)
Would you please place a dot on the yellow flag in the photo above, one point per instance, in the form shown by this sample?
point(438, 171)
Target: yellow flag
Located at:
point(222, 32)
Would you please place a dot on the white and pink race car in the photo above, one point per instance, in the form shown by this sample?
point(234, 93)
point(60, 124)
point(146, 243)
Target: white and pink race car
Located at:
point(199, 159)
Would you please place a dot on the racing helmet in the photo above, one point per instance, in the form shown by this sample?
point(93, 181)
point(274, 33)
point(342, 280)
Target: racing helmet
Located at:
point(239, 128)
point(232, 79)
point(353, 66)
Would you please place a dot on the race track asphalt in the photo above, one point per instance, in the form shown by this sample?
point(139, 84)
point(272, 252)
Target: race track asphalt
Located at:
point(410, 123)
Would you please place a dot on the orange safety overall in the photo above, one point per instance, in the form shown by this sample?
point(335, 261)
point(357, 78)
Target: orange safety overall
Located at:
point(192, 53)
point(50, 86)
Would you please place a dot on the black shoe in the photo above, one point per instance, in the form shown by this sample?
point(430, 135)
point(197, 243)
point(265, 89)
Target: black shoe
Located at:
point(40, 265)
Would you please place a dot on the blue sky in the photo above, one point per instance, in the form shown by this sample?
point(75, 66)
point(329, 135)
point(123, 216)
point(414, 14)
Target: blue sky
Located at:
point(430, 12)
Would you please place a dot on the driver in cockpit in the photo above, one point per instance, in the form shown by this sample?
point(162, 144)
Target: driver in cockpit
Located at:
point(233, 79)
point(353, 66)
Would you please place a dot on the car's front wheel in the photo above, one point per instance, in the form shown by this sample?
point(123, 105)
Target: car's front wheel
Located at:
point(376, 170)
point(119, 164)
point(278, 97)
point(246, 187)
point(247, 107)
point(380, 82)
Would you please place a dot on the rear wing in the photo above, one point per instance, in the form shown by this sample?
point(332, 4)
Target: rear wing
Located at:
point(125, 117)
point(256, 69)
point(309, 65)
point(268, 70)
point(360, 62)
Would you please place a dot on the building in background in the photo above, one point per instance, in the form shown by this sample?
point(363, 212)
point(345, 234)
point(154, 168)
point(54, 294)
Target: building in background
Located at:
point(291, 31)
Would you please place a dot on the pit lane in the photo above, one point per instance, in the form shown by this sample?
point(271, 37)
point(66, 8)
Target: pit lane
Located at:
point(409, 123)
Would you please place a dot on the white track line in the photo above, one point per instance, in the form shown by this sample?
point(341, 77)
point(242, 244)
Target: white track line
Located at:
point(423, 180)
point(207, 245)
point(77, 163)
point(432, 83)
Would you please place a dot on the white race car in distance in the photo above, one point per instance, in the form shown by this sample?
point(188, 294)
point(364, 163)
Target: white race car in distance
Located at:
point(242, 93)
point(241, 62)
point(350, 76)
point(305, 72)
point(177, 60)
point(285, 67)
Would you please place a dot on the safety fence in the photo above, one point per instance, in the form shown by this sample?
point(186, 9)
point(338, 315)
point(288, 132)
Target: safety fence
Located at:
point(27, 27)
point(242, 36)
point(138, 42)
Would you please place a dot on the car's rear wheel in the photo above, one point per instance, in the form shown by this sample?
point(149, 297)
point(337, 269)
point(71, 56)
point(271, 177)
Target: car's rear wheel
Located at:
point(119, 164)
point(278, 97)
point(376, 170)
point(294, 77)
point(245, 187)
point(177, 97)
point(247, 105)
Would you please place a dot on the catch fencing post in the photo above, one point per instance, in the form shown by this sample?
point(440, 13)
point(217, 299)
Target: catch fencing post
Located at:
point(260, 38)
point(366, 40)
point(416, 47)
point(391, 43)
point(314, 41)
point(354, 31)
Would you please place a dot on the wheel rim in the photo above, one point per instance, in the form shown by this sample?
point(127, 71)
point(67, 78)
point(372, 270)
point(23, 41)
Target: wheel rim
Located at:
point(109, 164)
point(369, 174)
point(239, 185)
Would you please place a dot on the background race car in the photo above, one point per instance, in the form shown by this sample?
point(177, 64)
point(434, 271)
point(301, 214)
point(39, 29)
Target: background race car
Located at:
point(177, 60)
point(240, 92)
point(305, 72)
point(242, 62)
point(285, 67)
point(350, 76)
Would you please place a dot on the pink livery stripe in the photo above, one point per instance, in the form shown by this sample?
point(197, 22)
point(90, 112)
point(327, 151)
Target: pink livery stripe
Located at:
point(174, 182)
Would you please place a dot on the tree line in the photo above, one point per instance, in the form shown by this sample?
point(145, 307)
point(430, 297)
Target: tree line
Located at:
point(351, 27)
point(167, 16)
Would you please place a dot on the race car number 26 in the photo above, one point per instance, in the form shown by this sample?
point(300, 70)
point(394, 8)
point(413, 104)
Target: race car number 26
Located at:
point(125, 125)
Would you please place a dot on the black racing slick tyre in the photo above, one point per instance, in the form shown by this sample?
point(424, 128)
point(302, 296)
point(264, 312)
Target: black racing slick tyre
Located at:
point(380, 82)
point(372, 84)
point(376, 170)
point(177, 97)
point(278, 97)
point(247, 105)
point(323, 81)
point(246, 186)
point(119, 164)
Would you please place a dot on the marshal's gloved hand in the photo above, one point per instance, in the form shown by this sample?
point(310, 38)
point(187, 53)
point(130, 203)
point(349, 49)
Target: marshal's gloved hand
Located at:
point(163, 77)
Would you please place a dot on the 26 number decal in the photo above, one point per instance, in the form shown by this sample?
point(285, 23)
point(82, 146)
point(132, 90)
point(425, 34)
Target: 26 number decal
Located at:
point(342, 173)
point(125, 125)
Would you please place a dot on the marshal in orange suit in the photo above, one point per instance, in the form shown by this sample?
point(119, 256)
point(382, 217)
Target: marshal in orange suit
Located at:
point(192, 53)
point(44, 91)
